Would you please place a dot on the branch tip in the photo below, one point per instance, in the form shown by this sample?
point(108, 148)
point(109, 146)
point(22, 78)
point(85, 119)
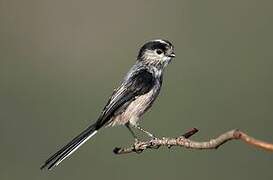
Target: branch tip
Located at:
point(183, 141)
point(190, 133)
point(116, 150)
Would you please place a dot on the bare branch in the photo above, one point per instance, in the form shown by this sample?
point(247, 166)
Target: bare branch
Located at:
point(183, 141)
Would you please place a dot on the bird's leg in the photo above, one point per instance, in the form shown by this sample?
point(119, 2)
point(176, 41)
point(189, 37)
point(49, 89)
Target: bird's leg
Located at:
point(131, 131)
point(144, 131)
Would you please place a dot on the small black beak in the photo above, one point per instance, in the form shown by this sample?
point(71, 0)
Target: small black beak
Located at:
point(171, 55)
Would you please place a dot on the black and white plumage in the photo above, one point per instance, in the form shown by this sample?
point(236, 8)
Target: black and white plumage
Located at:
point(130, 100)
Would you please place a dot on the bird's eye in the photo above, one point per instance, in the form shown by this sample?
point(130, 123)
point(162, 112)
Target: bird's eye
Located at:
point(159, 51)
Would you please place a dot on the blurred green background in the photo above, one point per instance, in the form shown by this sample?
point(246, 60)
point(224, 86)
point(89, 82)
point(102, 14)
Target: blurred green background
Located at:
point(61, 59)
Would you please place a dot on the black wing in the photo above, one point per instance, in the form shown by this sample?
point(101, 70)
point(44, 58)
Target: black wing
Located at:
point(138, 84)
point(141, 82)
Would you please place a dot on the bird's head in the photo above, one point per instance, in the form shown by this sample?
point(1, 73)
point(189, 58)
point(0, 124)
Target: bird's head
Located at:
point(157, 52)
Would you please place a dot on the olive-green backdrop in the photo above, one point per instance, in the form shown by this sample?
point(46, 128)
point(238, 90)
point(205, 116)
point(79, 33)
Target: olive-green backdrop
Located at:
point(61, 59)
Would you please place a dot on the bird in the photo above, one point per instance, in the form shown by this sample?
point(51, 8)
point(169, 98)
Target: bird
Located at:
point(133, 97)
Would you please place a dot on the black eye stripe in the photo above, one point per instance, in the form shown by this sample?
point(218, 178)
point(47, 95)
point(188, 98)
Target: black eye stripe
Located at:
point(155, 45)
point(159, 51)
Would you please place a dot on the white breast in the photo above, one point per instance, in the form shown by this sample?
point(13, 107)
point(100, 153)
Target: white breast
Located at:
point(134, 110)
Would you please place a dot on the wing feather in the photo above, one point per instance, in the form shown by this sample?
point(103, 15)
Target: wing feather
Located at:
point(139, 83)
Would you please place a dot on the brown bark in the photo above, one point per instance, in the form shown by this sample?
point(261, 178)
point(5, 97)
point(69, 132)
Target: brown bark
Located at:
point(183, 141)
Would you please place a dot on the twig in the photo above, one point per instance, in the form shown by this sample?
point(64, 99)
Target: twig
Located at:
point(183, 141)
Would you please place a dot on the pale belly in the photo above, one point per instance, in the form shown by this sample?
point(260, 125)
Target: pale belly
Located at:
point(134, 110)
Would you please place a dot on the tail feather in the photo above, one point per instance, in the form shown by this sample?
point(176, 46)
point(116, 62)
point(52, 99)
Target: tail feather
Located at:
point(71, 147)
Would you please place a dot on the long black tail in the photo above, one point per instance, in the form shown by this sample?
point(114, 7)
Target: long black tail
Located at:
point(68, 149)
